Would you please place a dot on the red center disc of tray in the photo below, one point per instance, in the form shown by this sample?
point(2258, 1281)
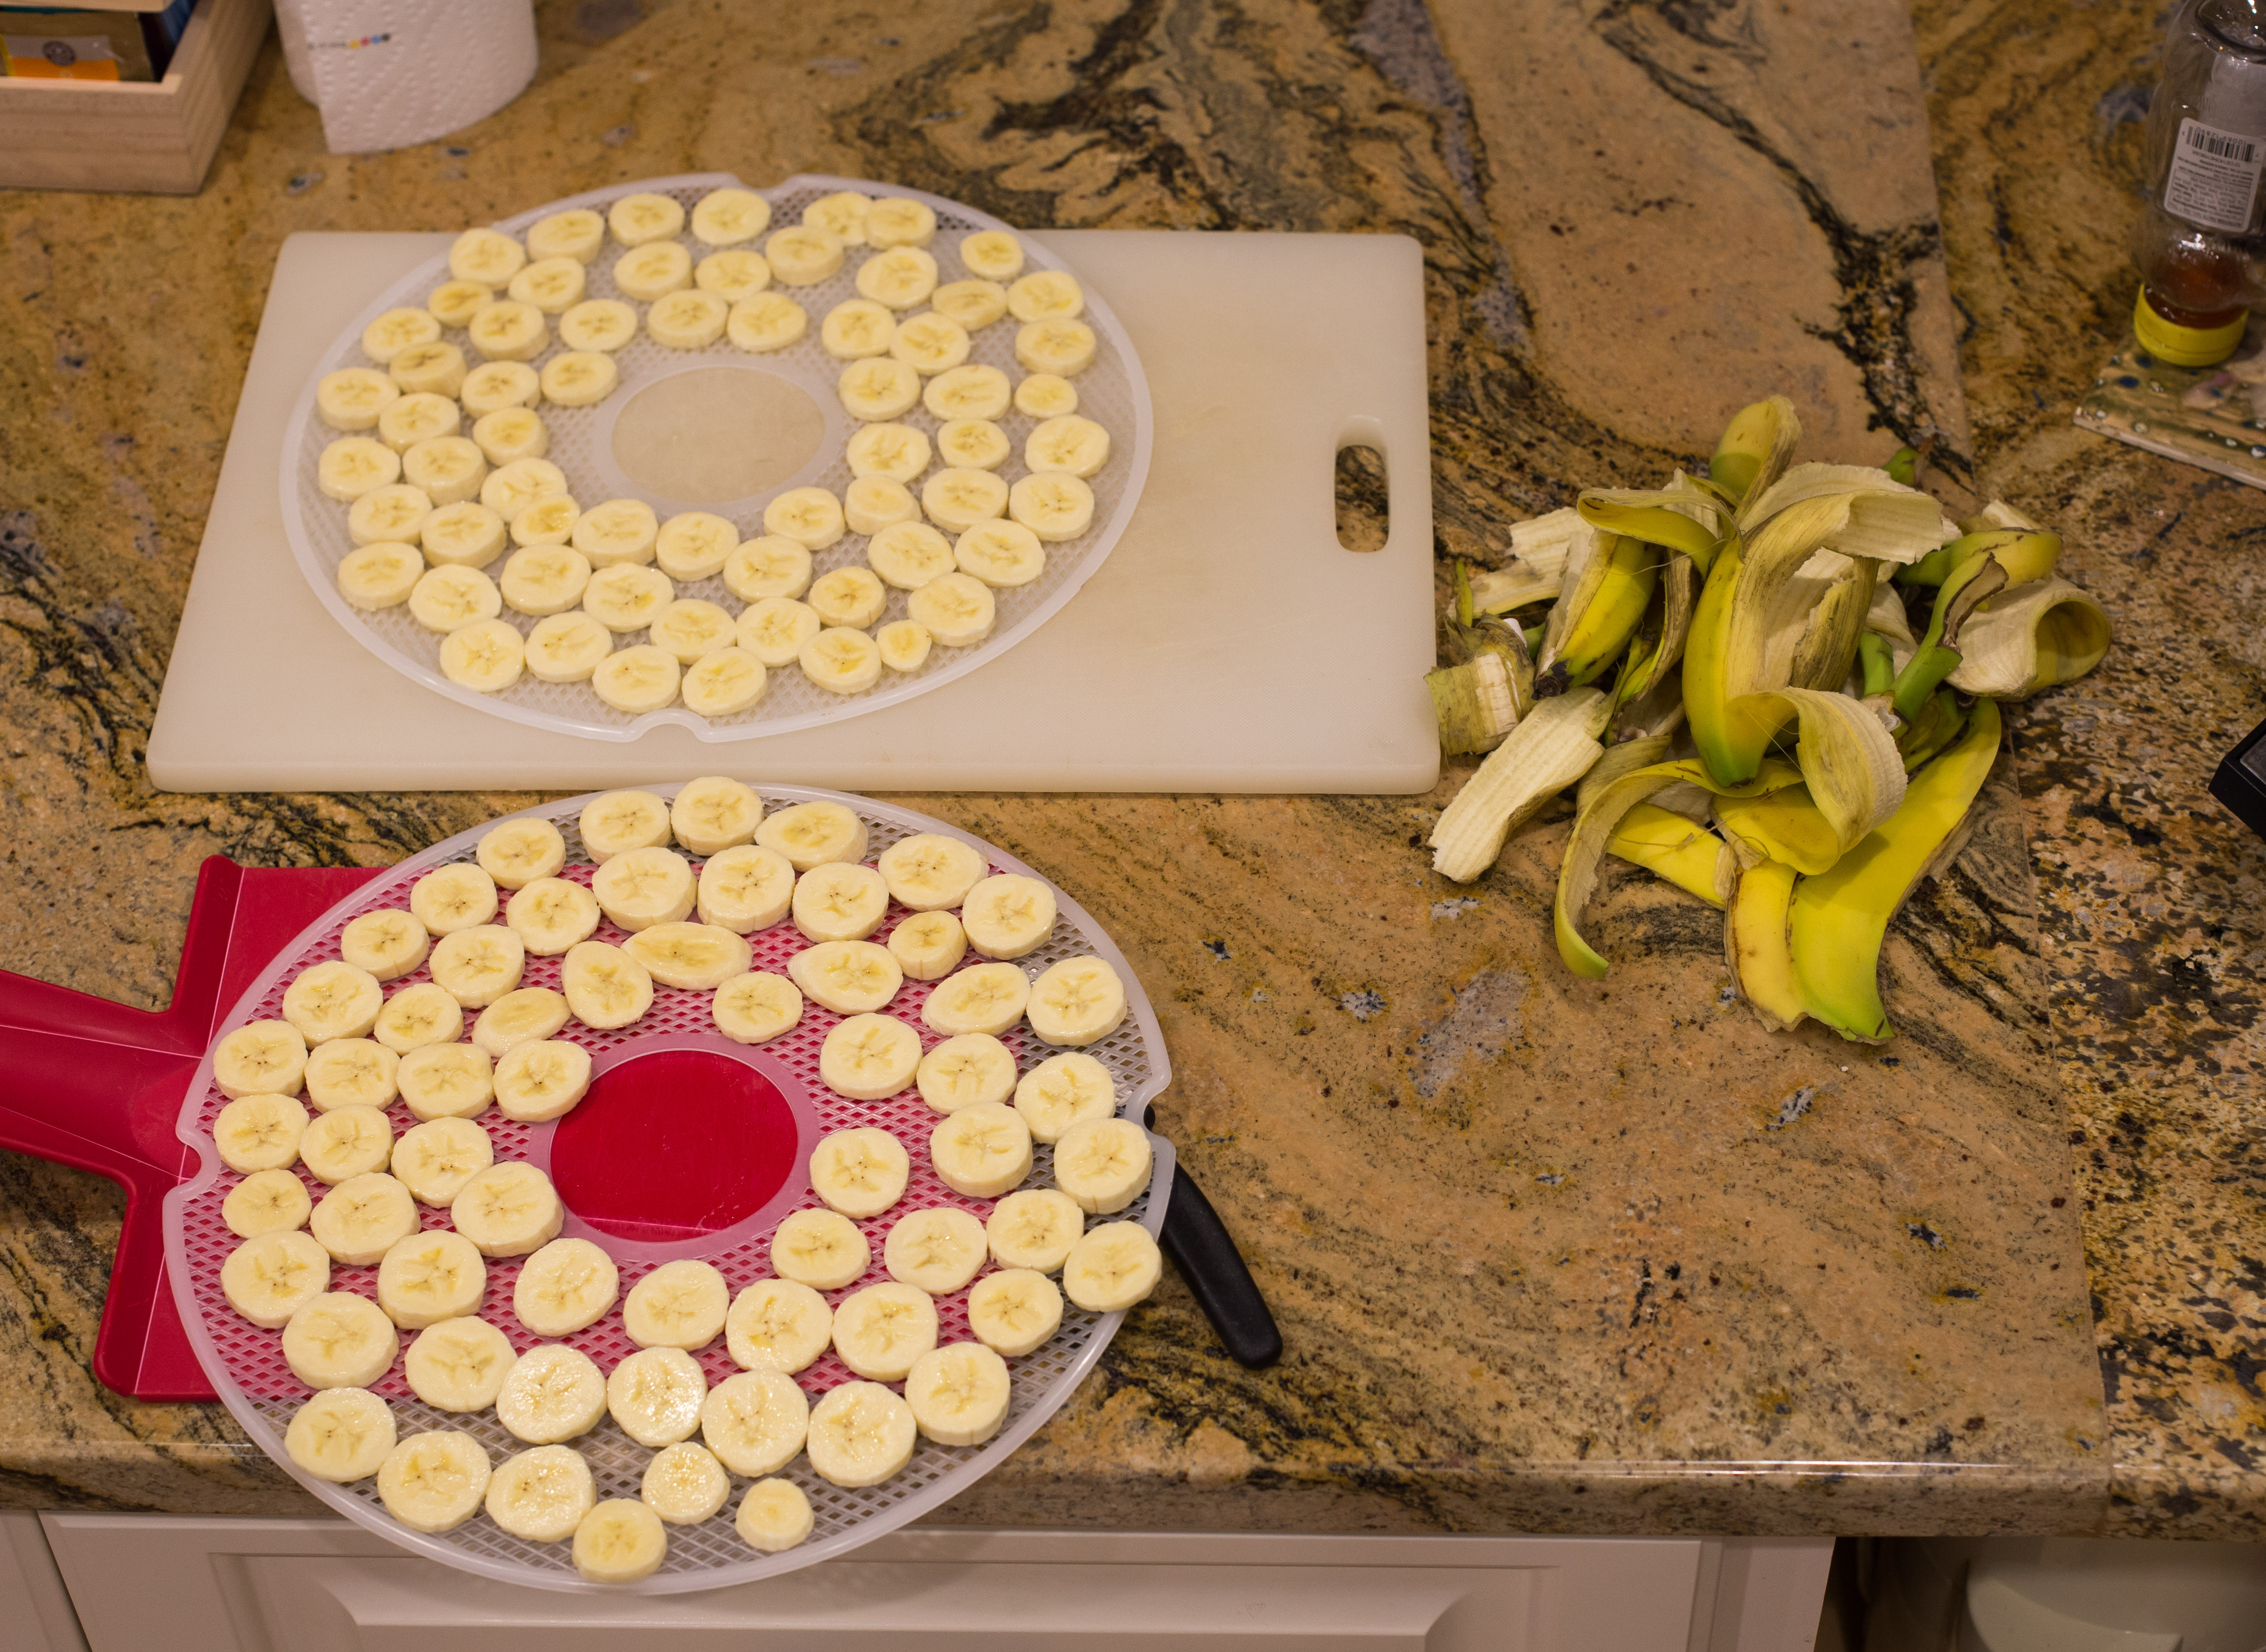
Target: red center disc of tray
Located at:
point(673, 1145)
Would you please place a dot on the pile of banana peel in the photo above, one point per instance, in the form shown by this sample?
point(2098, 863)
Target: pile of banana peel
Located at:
point(1776, 686)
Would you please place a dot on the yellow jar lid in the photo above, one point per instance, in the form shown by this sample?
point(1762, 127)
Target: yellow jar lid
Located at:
point(2184, 346)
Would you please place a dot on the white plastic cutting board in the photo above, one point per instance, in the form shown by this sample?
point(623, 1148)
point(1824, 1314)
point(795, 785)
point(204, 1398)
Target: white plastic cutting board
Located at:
point(1229, 644)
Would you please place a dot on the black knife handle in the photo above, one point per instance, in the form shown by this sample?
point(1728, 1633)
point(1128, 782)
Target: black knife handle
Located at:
point(1199, 1244)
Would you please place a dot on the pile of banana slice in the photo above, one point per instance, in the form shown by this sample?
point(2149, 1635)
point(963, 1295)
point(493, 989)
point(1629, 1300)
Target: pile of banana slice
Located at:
point(1776, 687)
point(320, 1181)
point(440, 465)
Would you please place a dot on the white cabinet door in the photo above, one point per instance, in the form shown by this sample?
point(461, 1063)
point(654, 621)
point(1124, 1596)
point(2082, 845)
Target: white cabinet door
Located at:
point(318, 1586)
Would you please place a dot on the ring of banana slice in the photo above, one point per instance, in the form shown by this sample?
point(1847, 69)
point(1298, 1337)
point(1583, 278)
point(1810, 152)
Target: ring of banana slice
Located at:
point(394, 1300)
point(955, 433)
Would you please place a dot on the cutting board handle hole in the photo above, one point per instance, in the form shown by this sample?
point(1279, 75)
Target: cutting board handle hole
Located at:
point(1365, 515)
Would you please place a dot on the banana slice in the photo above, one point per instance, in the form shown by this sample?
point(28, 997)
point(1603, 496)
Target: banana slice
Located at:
point(678, 1305)
point(416, 1016)
point(551, 915)
point(841, 660)
point(266, 1201)
point(519, 1017)
point(1032, 1229)
point(692, 629)
point(771, 566)
point(860, 1173)
point(434, 1481)
point(974, 305)
point(871, 503)
point(543, 579)
point(879, 388)
point(351, 398)
point(684, 1484)
point(516, 852)
point(1077, 1001)
point(958, 610)
point(605, 987)
point(723, 684)
point(430, 1277)
point(1046, 396)
point(332, 1001)
point(511, 488)
point(505, 330)
point(896, 221)
point(903, 278)
point(1103, 1165)
point(458, 1365)
point(879, 1332)
point(812, 834)
point(755, 1421)
point(973, 444)
point(860, 1435)
point(507, 1210)
point(989, 998)
point(694, 544)
point(387, 944)
point(465, 534)
point(973, 392)
point(345, 1142)
point(1060, 349)
point(802, 256)
point(1002, 554)
point(745, 888)
point(939, 1249)
point(639, 218)
point(1112, 1268)
point(820, 1249)
point(959, 1394)
point(580, 378)
point(1062, 1091)
point(445, 1081)
point(810, 516)
point(417, 418)
point(379, 577)
point(1046, 295)
point(271, 1276)
point(339, 1341)
point(1069, 444)
point(929, 946)
point(260, 1132)
point(840, 902)
point(552, 285)
point(598, 326)
point(715, 813)
point(619, 1541)
point(853, 596)
point(957, 500)
point(565, 1287)
point(898, 452)
point(567, 648)
point(857, 329)
point(453, 897)
point(341, 1435)
point(982, 1150)
point(486, 656)
point(650, 273)
point(776, 630)
point(487, 256)
point(428, 370)
point(656, 1395)
point(868, 1058)
point(849, 978)
point(434, 1160)
point(543, 1495)
point(449, 470)
point(576, 233)
point(766, 321)
point(641, 887)
point(841, 215)
point(726, 217)
point(452, 303)
point(1053, 505)
point(362, 1218)
point(495, 387)
point(752, 1008)
point(700, 957)
point(537, 1082)
point(909, 554)
point(930, 343)
point(963, 1072)
point(552, 1393)
point(774, 1516)
point(393, 515)
point(1014, 1310)
point(626, 596)
point(779, 1325)
point(449, 599)
point(993, 254)
point(929, 871)
point(638, 680)
point(902, 644)
point(353, 466)
point(732, 275)
point(1008, 915)
point(480, 965)
point(619, 530)
point(615, 822)
point(690, 320)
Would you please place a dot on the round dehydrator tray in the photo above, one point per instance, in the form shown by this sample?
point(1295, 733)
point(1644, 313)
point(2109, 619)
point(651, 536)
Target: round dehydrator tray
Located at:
point(1112, 391)
point(246, 1366)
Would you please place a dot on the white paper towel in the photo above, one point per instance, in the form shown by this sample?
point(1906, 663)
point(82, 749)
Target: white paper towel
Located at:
point(390, 73)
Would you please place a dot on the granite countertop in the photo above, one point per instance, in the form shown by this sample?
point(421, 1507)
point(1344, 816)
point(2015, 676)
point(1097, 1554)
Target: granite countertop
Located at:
point(1548, 1256)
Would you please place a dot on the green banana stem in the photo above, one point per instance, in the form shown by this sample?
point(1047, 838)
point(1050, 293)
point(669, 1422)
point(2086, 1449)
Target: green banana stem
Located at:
point(1936, 727)
point(1904, 465)
point(1981, 575)
point(1877, 663)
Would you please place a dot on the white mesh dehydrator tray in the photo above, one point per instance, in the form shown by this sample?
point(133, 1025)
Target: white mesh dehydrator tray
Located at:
point(1113, 392)
point(246, 1366)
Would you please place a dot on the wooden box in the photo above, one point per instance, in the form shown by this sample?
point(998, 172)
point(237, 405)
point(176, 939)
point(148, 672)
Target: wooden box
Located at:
point(157, 137)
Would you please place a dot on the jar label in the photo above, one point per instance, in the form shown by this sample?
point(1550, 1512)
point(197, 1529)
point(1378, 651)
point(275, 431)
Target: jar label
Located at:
point(2214, 176)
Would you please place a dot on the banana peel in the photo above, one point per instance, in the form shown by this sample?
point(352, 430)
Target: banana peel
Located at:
point(1755, 448)
point(1603, 608)
point(1551, 749)
point(1784, 826)
point(2025, 640)
point(1671, 847)
point(1755, 945)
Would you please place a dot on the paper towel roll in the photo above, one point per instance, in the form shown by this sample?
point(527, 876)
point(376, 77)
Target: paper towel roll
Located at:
point(390, 73)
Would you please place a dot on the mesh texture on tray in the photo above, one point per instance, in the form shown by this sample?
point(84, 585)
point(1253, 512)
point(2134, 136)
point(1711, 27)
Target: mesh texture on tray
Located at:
point(1111, 391)
point(251, 1360)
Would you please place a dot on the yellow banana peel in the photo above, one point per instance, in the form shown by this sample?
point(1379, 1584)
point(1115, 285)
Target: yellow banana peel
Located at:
point(1755, 447)
point(2023, 641)
point(1671, 847)
point(1784, 826)
point(1604, 608)
point(1552, 746)
point(1755, 944)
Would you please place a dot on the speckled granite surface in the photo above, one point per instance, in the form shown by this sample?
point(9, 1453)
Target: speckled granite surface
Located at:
point(1549, 1256)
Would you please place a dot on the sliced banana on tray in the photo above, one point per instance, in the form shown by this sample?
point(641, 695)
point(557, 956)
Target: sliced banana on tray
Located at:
point(341, 1435)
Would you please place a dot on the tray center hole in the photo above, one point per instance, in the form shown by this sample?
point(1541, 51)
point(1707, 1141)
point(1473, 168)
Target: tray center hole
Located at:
point(672, 1145)
point(715, 434)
